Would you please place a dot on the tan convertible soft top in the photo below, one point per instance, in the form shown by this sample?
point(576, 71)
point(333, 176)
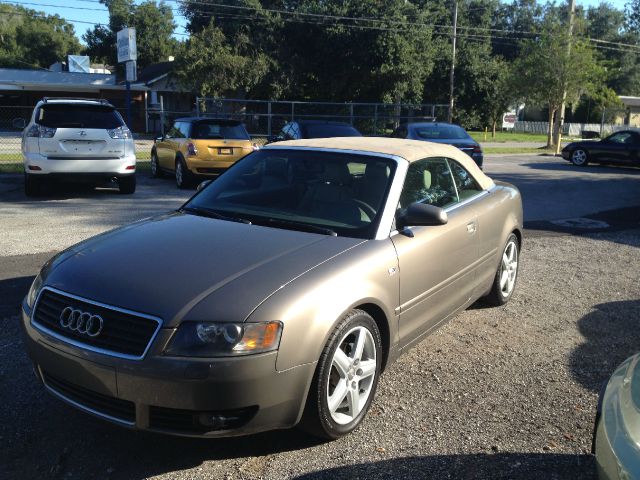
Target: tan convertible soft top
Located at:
point(410, 150)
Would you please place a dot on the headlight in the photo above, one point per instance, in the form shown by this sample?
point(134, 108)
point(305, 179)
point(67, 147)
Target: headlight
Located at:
point(206, 339)
point(34, 291)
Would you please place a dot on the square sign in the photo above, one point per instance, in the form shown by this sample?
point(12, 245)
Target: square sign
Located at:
point(126, 40)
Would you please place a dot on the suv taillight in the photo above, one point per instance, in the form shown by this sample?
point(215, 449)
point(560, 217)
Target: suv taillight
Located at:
point(191, 149)
point(120, 132)
point(477, 149)
point(38, 131)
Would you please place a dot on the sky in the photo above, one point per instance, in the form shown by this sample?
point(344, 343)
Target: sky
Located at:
point(77, 11)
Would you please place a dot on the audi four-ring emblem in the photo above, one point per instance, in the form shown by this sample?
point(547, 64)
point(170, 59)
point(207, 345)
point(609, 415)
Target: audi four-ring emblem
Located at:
point(81, 322)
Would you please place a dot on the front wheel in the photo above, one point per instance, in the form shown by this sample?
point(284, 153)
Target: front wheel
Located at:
point(127, 185)
point(504, 282)
point(580, 157)
point(183, 176)
point(346, 378)
point(155, 165)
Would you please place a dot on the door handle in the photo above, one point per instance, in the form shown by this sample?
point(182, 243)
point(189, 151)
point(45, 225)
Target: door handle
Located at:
point(471, 228)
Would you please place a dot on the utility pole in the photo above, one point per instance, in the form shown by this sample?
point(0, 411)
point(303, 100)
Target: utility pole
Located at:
point(561, 112)
point(453, 59)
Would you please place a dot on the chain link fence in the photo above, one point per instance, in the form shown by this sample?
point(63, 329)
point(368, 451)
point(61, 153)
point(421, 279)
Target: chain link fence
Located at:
point(263, 118)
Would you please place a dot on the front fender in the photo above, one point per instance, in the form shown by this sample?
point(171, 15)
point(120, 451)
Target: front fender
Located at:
point(311, 306)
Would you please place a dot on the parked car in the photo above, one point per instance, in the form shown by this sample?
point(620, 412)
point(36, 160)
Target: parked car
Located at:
point(617, 432)
point(621, 147)
point(79, 140)
point(278, 293)
point(199, 147)
point(300, 129)
point(440, 132)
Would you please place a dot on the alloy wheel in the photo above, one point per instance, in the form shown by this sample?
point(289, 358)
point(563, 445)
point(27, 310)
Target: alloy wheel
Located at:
point(352, 374)
point(509, 268)
point(579, 157)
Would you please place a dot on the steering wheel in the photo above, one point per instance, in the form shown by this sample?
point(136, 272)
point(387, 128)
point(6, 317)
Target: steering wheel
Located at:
point(368, 209)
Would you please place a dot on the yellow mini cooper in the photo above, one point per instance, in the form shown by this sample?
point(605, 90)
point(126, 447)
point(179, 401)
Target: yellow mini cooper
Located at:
point(195, 147)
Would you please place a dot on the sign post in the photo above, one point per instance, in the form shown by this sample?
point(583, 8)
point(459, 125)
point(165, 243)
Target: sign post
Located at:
point(128, 53)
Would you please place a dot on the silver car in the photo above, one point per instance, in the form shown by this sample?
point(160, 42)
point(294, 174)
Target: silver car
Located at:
point(279, 293)
point(617, 433)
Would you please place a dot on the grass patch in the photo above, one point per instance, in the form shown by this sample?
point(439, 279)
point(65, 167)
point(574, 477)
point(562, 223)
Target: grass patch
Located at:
point(502, 137)
point(512, 150)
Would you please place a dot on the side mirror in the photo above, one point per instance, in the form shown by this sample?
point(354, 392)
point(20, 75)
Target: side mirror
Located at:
point(159, 137)
point(19, 123)
point(202, 185)
point(275, 138)
point(420, 214)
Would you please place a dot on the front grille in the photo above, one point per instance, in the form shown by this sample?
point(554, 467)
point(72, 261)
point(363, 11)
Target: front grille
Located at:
point(123, 333)
point(192, 421)
point(90, 400)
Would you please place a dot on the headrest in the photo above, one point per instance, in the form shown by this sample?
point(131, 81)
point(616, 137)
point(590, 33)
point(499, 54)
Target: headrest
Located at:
point(336, 172)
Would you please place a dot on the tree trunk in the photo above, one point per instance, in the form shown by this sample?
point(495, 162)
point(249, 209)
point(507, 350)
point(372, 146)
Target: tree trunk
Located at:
point(493, 128)
point(550, 128)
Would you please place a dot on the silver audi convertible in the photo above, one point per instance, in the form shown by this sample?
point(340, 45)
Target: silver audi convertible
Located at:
point(277, 295)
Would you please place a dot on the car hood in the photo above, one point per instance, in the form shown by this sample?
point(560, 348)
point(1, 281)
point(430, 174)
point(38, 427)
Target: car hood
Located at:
point(181, 266)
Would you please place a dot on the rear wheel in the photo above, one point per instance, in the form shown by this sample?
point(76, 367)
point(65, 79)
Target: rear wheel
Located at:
point(504, 282)
point(580, 157)
point(127, 185)
point(183, 176)
point(346, 378)
point(33, 186)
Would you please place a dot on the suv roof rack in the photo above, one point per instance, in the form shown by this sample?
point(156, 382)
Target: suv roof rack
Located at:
point(102, 101)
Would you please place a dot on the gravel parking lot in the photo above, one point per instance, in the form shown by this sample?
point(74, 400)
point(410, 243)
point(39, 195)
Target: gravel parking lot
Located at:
point(497, 393)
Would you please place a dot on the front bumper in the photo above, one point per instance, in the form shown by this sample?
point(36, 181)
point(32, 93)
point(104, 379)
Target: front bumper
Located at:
point(179, 396)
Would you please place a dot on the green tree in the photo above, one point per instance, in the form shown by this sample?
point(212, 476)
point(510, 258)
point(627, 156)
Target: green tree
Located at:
point(154, 26)
point(211, 65)
point(31, 38)
point(546, 69)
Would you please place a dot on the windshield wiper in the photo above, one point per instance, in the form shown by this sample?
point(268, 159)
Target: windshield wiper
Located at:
point(205, 212)
point(303, 227)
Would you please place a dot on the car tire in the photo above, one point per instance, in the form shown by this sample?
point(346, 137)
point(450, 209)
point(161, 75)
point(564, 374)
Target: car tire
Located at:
point(580, 157)
point(504, 283)
point(33, 186)
point(155, 165)
point(342, 378)
point(183, 176)
point(127, 185)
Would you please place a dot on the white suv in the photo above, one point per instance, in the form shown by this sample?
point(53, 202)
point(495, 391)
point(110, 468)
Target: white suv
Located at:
point(77, 140)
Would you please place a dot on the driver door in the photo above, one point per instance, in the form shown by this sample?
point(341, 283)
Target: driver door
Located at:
point(437, 274)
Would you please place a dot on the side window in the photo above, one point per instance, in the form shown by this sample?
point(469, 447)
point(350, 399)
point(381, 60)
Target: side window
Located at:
point(185, 129)
point(429, 181)
point(465, 183)
point(174, 131)
point(622, 137)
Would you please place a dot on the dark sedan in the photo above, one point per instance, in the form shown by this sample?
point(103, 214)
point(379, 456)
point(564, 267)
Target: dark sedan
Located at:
point(620, 147)
point(302, 129)
point(440, 132)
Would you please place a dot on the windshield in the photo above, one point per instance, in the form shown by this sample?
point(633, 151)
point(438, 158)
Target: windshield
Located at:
point(210, 129)
point(434, 132)
point(323, 192)
point(323, 130)
point(70, 115)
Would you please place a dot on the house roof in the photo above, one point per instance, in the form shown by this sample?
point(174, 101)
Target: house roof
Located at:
point(45, 80)
point(630, 101)
point(155, 72)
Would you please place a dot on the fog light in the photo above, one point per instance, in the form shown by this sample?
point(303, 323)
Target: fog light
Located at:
point(131, 167)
